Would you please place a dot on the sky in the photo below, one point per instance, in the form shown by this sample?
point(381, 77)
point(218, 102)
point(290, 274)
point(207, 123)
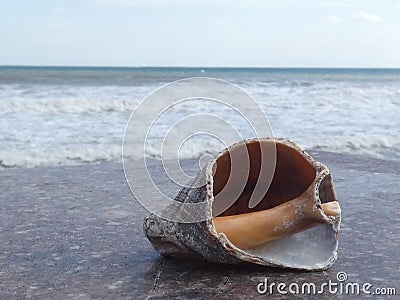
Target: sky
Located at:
point(201, 33)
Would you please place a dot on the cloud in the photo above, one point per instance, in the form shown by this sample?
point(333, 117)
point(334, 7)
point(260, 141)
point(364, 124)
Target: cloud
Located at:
point(334, 19)
point(369, 17)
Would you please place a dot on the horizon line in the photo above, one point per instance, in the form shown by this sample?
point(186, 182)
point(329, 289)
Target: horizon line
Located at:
point(189, 67)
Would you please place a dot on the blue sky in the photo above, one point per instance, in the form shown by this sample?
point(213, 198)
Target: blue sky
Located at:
point(236, 33)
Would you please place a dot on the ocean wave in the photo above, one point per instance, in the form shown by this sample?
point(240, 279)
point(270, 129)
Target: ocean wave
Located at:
point(336, 95)
point(378, 146)
point(70, 106)
point(74, 100)
point(53, 156)
point(374, 145)
point(89, 99)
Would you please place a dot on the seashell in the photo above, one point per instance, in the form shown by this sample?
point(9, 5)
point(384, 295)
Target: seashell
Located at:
point(295, 224)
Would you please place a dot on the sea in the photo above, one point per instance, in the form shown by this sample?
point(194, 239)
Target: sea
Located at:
point(53, 116)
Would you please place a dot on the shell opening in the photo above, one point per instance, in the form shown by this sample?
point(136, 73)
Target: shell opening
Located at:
point(293, 175)
point(287, 206)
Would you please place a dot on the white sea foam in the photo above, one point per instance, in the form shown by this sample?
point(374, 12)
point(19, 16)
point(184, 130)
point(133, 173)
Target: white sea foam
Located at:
point(75, 100)
point(375, 146)
point(329, 95)
point(28, 158)
point(97, 99)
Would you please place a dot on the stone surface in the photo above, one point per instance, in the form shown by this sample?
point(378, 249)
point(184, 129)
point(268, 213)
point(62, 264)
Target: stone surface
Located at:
point(75, 232)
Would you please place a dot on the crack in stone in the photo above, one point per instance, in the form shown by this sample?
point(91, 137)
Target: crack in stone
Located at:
point(156, 279)
point(222, 288)
point(229, 277)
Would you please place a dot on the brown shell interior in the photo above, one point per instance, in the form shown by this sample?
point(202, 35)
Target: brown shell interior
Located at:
point(293, 175)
